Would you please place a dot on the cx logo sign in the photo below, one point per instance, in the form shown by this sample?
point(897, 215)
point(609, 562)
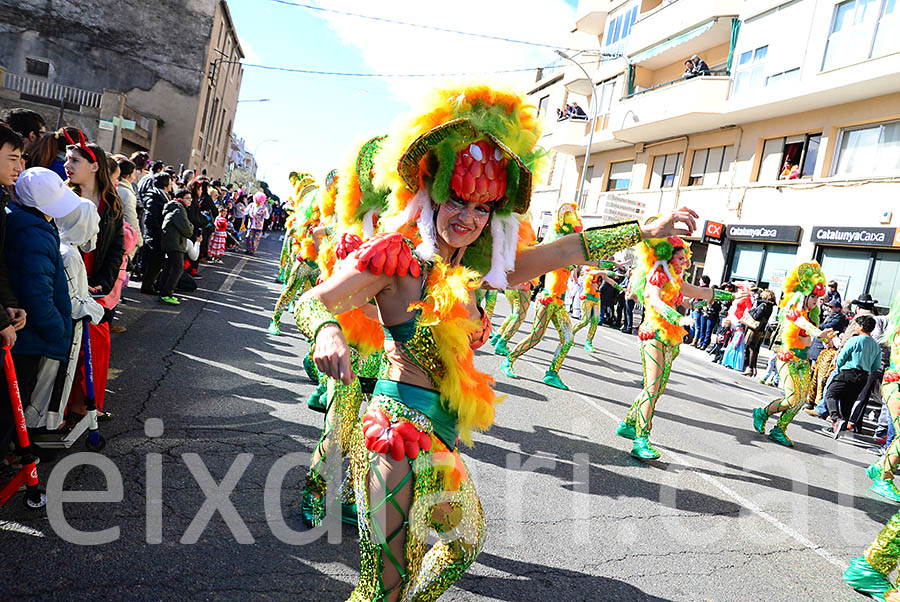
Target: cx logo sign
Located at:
point(714, 232)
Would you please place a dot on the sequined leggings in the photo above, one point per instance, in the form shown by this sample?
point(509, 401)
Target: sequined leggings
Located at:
point(890, 392)
point(303, 277)
point(657, 359)
point(253, 237)
point(518, 301)
point(399, 504)
point(556, 313)
point(795, 380)
point(285, 257)
point(885, 550)
point(590, 314)
point(341, 417)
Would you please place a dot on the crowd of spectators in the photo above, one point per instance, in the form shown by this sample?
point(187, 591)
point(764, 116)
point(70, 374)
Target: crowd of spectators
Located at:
point(76, 224)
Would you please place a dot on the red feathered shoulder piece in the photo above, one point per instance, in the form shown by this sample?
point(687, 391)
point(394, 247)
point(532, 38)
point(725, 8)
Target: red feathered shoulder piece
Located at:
point(658, 278)
point(389, 254)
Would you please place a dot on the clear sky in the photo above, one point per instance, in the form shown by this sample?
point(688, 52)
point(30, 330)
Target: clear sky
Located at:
point(316, 119)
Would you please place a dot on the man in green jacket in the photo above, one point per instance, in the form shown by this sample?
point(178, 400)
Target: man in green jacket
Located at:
point(176, 232)
point(858, 357)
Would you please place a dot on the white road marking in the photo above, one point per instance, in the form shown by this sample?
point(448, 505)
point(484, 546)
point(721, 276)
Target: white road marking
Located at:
point(14, 527)
point(232, 276)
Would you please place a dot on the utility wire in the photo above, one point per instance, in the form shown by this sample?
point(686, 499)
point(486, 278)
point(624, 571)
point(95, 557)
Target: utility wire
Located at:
point(351, 74)
point(419, 25)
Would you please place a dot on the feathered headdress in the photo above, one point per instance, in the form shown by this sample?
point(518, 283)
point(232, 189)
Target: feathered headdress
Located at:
point(654, 254)
point(804, 280)
point(477, 142)
point(359, 202)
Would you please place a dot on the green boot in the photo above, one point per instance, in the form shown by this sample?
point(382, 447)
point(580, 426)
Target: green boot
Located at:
point(759, 420)
point(348, 515)
point(778, 435)
point(273, 328)
point(315, 401)
point(589, 347)
point(506, 368)
point(501, 349)
point(874, 471)
point(883, 487)
point(643, 450)
point(310, 368)
point(862, 577)
point(280, 277)
point(626, 430)
point(312, 505)
point(552, 378)
point(494, 338)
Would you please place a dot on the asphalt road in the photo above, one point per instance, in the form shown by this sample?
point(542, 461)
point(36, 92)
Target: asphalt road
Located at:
point(725, 514)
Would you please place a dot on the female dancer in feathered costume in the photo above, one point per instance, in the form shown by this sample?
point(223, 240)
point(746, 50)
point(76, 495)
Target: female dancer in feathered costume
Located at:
point(590, 300)
point(308, 218)
point(457, 173)
point(869, 574)
point(659, 284)
point(356, 199)
point(291, 246)
point(552, 306)
point(799, 317)
point(519, 299)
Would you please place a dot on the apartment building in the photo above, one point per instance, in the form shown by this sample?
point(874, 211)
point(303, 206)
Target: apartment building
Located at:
point(789, 149)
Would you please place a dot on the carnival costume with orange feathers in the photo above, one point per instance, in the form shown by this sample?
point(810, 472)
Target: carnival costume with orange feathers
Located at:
point(590, 301)
point(799, 318)
point(659, 283)
point(459, 176)
point(551, 306)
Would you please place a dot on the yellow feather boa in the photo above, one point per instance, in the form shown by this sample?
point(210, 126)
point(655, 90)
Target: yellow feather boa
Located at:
point(466, 392)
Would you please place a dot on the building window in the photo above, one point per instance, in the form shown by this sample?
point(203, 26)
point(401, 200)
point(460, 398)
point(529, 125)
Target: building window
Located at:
point(860, 30)
point(619, 175)
point(665, 168)
point(868, 150)
point(617, 30)
point(749, 72)
point(37, 67)
point(710, 166)
point(542, 105)
point(785, 77)
point(765, 264)
point(789, 158)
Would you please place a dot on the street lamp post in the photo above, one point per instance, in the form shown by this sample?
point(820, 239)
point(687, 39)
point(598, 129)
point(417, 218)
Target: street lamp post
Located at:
point(256, 100)
point(594, 110)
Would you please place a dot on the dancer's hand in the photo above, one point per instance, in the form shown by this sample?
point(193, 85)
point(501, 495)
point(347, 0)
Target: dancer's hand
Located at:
point(668, 226)
point(332, 354)
point(686, 321)
point(827, 335)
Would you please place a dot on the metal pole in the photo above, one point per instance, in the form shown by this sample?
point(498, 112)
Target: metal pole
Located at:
point(595, 109)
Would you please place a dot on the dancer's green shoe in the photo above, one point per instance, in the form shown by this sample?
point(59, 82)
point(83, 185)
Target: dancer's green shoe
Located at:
point(643, 450)
point(273, 328)
point(280, 277)
point(778, 435)
point(501, 349)
point(759, 420)
point(310, 368)
point(506, 368)
point(626, 430)
point(494, 338)
point(874, 470)
point(863, 577)
point(552, 378)
point(348, 515)
point(316, 401)
point(589, 347)
point(312, 504)
point(883, 487)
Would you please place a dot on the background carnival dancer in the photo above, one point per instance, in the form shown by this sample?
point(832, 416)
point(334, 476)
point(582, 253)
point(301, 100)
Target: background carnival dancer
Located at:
point(590, 300)
point(458, 173)
point(308, 233)
point(799, 318)
point(882, 472)
point(257, 214)
point(362, 330)
point(659, 284)
point(551, 306)
point(519, 299)
point(869, 574)
point(290, 245)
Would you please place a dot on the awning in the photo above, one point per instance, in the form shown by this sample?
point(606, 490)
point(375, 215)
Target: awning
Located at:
point(672, 42)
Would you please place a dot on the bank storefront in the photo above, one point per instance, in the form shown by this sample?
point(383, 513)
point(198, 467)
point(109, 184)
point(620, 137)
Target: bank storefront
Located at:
point(761, 254)
point(861, 260)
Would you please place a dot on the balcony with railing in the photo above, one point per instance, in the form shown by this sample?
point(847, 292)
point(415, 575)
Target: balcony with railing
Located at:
point(672, 108)
point(570, 136)
point(44, 91)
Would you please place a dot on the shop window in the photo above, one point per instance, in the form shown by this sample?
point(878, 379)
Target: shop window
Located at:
point(860, 30)
point(749, 72)
point(542, 105)
point(849, 267)
point(748, 256)
point(870, 150)
point(665, 170)
point(710, 166)
point(789, 158)
point(765, 264)
point(619, 175)
point(885, 277)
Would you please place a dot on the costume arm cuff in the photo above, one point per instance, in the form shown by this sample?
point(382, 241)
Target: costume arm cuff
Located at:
point(672, 316)
point(604, 241)
point(723, 295)
point(312, 315)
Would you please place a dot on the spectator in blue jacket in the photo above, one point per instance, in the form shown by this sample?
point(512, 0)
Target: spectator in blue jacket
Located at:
point(37, 273)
